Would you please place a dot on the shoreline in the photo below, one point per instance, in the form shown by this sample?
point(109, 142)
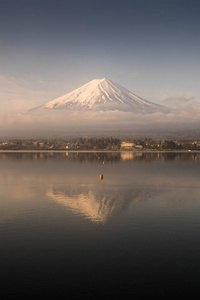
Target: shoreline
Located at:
point(100, 151)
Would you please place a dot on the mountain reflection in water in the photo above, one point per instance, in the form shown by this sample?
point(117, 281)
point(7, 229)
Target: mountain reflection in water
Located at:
point(98, 204)
point(72, 180)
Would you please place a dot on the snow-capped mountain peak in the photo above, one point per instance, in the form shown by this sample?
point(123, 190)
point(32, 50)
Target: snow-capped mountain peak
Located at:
point(102, 95)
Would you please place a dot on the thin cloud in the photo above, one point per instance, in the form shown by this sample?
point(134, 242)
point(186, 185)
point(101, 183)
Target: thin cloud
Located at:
point(18, 94)
point(177, 100)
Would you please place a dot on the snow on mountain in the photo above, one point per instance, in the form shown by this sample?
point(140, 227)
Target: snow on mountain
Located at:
point(103, 95)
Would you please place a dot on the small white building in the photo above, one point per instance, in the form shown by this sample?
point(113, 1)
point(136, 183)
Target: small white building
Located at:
point(127, 145)
point(139, 146)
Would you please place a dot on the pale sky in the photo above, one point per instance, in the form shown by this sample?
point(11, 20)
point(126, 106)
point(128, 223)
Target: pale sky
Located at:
point(50, 47)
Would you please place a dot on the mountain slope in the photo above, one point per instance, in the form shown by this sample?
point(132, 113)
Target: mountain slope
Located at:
point(103, 95)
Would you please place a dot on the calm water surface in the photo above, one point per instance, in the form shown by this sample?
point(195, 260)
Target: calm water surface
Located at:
point(64, 232)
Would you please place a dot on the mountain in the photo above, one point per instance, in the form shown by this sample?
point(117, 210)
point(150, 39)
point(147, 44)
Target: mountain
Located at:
point(103, 95)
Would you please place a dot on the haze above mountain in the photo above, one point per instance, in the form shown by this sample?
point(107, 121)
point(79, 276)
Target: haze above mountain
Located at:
point(103, 95)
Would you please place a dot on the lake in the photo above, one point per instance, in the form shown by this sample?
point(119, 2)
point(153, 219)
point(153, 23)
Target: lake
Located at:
point(64, 232)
